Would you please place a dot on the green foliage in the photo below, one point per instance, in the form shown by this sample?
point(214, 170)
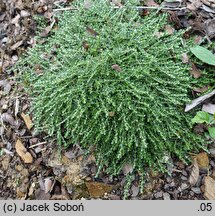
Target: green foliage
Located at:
point(211, 131)
point(40, 21)
point(207, 71)
point(203, 117)
point(132, 116)
point(203, 54)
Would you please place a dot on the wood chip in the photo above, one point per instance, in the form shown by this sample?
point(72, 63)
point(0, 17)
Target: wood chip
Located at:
point(27, 121)
point(22, 152)
point(198, 101)
point(209, 188)
point(194, 173)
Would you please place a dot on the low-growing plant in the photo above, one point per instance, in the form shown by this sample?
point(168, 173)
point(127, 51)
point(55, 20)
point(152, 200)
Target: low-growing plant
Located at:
point(206, 118)
point(109, 78)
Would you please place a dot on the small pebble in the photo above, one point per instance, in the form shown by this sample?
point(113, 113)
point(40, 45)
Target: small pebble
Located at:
point(212, 152)
point(172, 184)
point(166, 186)
point(184, 173)
point(158, 194)
point(184, 178)
point(196, 190)
point(212, 163)
point(135, 190)
point(168, 179)
point(199, 181)
point(192, 193)
point(114, 197)
point(88, 178)
point(166, 196)
point(183, 186)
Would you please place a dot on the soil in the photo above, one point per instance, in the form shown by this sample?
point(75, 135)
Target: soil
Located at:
point(32, 166)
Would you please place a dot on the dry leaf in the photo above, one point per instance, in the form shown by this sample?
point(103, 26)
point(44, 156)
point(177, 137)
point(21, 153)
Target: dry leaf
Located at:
point(210, 27)
point(46, 31)
point(117, 3)
point(169, 29)
point(27, 121)
point(198, 39)
point(15, 20)
point(151, 3)
point(198, 101)
point(203, 161)
point(209, 188)
point(111, 114)
point(8, 118)
point(92, 32)
point(16, 45)
point(85, 45)
point(202, 89)
point(41, 195)
point(194, 173)
point(22, 152)
point(185, 58)
point(116, 67)
point(195, 72)
point(209, 108)
point(48, 184)
point(97, 189)
point(127, 168)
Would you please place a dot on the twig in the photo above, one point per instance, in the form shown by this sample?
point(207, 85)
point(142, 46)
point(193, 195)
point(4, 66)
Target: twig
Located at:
point(41, 143)
point(176, 170)
point(65, 9)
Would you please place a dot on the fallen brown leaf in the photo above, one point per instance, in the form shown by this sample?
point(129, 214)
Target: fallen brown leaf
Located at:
point(15, 20)
point(91, 31)
point(194, 71)
point(185, 58)
point(48, 184)
point(151, 3)
point(209, 188)
point(16, 45)
point(210, 28)
point(117, 3)
point(194, 173)
point(8, 118)
point(169, 29)
point(202, 89)
point(27, 121)
point(127, 168)
point(116, 67)
point(22, 152)
point(46, 31)
point(85, 45)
